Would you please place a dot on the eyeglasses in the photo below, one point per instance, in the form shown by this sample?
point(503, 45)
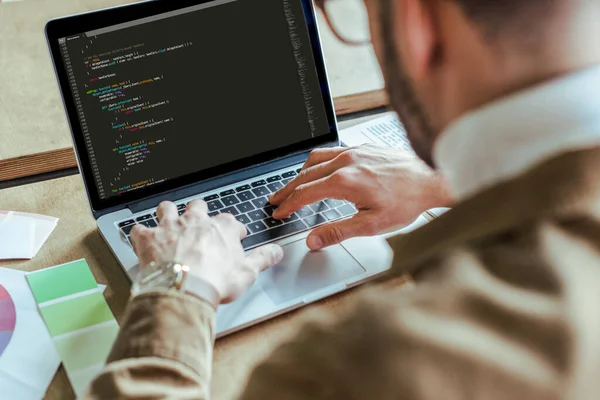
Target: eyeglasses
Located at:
point(347, 19)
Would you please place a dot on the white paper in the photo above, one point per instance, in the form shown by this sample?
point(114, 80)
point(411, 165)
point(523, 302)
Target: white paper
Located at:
point(22, 235)
point(385, 131)
point(30, 361)
point(44, 226)
point(16, 239)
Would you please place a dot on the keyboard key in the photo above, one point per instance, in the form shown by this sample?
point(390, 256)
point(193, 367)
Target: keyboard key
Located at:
point(257, 215)
point(273, 187)
point(274, 178)
point(270, 222)
point(256, 227)
point(213, 214)
point(318, 207)
point(314, 220)
point(291, 218)
point(127, 229)
point(262, 182)
point(180, 206)
point(275, 233)
point(346, 210)
point(125, 223)
point(269, 209)
point(242, 188)
point(261, 191)
point(243, 219)
point(230, 200)
point(304, 212)
point(286, 181)
point(230, 210)
point(180, 212)
point(227, 192)
point(298, 170)
point(214, 205)
point(288, 174)
point(245, 207)
point(332, 215)
point(260, 202)
point(144, 217)
point(149, 223)
point(334, 203)
point(211, 197)
point(245, 196)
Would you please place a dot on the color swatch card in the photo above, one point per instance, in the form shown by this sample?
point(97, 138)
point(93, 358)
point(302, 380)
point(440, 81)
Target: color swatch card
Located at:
point(78, 318)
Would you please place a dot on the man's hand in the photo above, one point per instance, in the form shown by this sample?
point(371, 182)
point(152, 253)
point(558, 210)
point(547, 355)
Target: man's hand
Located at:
point(389, 187)
point(211, 247)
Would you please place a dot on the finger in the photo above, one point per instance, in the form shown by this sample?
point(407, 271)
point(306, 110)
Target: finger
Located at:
point(362, 224)
point(138, 235)
point(197, 206)
point(230, 224)
point(308, 175)
point(195, 210)
point(257, 261)
point(319, 156)
point(264, 257)
point(167, 213)
point(309, 193)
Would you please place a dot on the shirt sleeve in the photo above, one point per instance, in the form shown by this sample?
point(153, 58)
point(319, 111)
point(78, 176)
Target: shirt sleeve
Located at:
point(462, 334)
point(164, 350)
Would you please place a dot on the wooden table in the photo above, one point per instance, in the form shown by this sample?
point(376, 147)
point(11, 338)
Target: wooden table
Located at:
point(76, 237)
point(34, 135)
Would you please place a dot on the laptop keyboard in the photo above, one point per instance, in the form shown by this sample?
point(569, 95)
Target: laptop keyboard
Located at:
point(250, 205)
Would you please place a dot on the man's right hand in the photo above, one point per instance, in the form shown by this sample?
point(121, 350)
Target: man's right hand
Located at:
point(389, 187)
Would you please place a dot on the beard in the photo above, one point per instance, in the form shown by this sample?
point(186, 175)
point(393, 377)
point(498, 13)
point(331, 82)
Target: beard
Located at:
point(402, 95)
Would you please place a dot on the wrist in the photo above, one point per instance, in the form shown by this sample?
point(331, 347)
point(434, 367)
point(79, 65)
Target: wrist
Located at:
point(439, 192)
point(175, 276)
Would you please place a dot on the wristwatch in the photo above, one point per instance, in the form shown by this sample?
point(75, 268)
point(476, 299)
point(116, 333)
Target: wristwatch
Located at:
point(175, 276)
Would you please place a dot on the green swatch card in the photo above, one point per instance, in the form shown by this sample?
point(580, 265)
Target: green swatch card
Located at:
point(88, 310)
point(78, 318)
point(62, 280)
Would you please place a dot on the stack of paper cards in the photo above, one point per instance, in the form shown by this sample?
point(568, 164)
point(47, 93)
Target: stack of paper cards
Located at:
point(28, 357)
point(78, 318)
point(22, 234)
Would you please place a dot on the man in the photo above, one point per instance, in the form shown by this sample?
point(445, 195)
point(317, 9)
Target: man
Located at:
point(503, 98)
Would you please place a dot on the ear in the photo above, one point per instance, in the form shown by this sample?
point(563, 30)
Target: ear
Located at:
point(416, 35)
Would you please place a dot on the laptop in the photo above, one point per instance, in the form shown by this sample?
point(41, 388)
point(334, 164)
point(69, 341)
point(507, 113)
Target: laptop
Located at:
point(219, 100)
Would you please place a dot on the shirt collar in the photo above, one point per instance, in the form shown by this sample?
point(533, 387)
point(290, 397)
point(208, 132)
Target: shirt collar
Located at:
point(509, 136)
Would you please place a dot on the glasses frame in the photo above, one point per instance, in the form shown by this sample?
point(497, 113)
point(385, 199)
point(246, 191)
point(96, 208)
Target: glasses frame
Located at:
point(320, 4)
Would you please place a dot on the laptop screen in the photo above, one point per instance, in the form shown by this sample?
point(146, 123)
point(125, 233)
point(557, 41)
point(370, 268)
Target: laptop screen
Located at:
point(165, 96)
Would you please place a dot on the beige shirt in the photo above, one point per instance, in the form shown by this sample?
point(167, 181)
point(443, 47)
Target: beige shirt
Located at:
point(505, 308)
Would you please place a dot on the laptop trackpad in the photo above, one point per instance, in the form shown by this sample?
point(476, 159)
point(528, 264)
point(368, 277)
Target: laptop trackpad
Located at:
point(302, 272)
